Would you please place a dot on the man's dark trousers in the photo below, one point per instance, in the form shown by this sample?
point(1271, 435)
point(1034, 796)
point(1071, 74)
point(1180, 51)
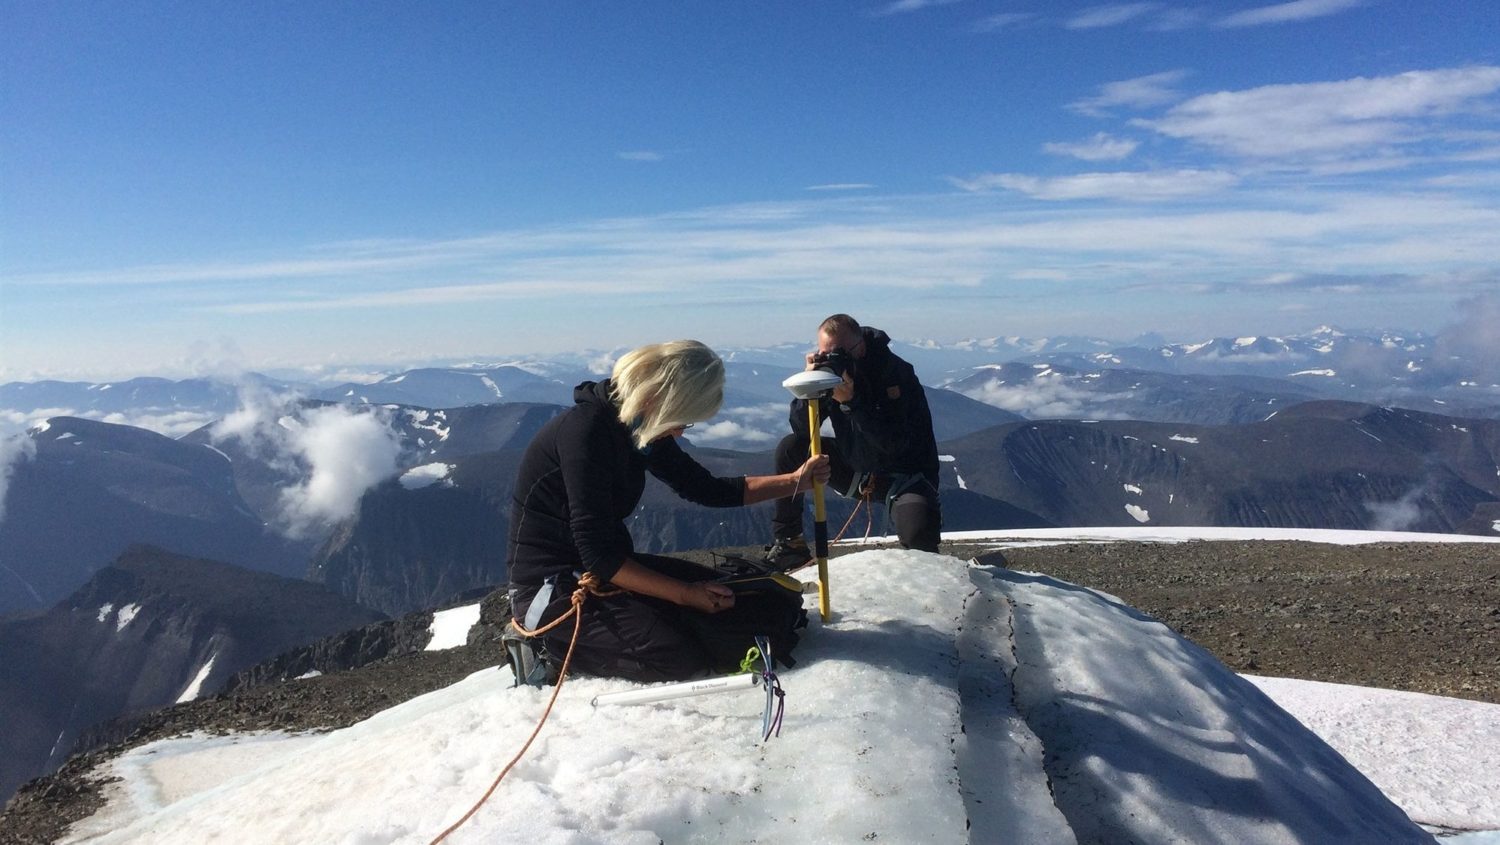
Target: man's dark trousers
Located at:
point(915, 510)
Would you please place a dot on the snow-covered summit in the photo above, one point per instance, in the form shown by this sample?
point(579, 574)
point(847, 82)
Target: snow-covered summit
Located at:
point(943, 703)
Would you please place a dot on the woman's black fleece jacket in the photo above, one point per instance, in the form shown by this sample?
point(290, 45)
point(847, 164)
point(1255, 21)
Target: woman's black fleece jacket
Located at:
point(581, 478)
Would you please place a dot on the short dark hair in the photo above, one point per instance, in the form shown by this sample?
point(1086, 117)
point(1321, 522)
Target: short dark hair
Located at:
point(839, 324)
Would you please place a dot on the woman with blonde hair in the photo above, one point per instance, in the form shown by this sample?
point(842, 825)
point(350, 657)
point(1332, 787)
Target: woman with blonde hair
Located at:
point(583, 475)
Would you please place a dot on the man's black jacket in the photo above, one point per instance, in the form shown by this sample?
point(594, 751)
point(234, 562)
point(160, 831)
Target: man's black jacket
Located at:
point(581, 478)
point(888, 427)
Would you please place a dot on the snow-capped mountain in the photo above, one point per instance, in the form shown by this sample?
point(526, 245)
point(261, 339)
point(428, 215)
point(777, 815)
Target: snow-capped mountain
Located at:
point(92, 489)
point(151, 629)
point(452, 387)
point(1314, 465)
point(1057, 391)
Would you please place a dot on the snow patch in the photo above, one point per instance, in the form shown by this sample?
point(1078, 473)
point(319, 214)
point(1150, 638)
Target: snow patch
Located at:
point(450, 628)
point(1329, 373)
point(1438, 758)
point(196, 686)
point(490, 383)
point(935, 686)
point(947, 459)
point(1131, 488)
point(106, 610)
point(1139, 513)
point(425, 475)
point(1181, 439)
point(127, 615)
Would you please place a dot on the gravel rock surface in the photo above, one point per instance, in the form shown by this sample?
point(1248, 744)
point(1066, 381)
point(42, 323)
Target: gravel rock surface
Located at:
point(1419, 617)
point(1422, 617)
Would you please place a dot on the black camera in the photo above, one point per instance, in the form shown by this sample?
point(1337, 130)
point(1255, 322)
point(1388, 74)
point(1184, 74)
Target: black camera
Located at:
point(835, 361)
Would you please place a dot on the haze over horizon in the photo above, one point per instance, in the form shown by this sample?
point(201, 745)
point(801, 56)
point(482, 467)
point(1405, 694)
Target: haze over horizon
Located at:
point(192, 189)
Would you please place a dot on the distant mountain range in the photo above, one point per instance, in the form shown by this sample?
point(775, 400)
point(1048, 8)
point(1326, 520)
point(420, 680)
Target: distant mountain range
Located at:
point(151, 629)
point(92, 489)
point(1065, 442)
point(1387, 367)
point(1319, 464)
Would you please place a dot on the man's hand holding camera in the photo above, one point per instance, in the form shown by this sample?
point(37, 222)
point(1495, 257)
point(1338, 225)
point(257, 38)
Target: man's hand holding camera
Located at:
point(840, 363)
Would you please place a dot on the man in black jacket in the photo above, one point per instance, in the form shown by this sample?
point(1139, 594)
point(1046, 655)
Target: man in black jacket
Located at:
point(883, 446)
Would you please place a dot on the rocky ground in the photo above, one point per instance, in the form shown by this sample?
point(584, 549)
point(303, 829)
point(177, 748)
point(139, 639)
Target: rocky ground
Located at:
point(1421, 617)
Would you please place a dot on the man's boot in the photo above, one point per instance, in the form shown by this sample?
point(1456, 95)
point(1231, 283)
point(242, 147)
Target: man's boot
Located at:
point(786, 554)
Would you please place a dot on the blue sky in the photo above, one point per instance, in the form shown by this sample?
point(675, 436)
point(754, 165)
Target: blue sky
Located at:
point(195, 186)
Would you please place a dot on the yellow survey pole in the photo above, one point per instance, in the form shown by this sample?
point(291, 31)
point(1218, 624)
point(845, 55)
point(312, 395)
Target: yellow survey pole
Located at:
point(820, 516)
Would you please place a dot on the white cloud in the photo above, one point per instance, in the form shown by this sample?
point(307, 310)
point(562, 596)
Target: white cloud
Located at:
point(1003, 20)
point(1298, 10)
point(255, 422)
point(1474, 339)
point(1141, 92)
point(348, 451)
point(170, 423)
point(640, 155)
point(16, 418)
point(1131, 186)
point(336, 451)
point(1401, 515)
point(1096, 17)
point(1326, 117)
point(1047, 397)
point(14, 448)
point(164, 421)
point(1101, 147)
point(796, 254)
point(728, 432)
point(901, 7)
point(842, 186)
point(1173, 20)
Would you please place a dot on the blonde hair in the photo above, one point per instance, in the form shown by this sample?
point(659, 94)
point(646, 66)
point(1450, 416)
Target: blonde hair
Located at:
point(666, 385)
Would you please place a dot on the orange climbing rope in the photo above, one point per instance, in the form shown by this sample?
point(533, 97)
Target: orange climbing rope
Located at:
point(587, 585)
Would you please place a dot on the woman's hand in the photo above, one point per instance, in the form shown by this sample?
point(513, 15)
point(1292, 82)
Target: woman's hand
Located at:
point(707, 596)
point(816, 469)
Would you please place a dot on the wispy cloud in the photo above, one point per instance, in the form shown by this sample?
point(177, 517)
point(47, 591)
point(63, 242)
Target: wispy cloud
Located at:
point(1325, 117)
point(14, 448)
point(1335, 282)
point(1175, 19)
point(901, 7)
point(1003, 20)
point(1097, 17)
point(842, 186)
point(641, 155)
point(1131, 186)
point(329, 454)
point(983, 241)
point(1101, 147)
point(1298, 10)
point(1138, 93)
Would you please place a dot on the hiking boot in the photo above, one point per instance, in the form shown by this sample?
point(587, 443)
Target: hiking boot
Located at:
point(527, 658)
point(734, 566)
point(786, 554)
